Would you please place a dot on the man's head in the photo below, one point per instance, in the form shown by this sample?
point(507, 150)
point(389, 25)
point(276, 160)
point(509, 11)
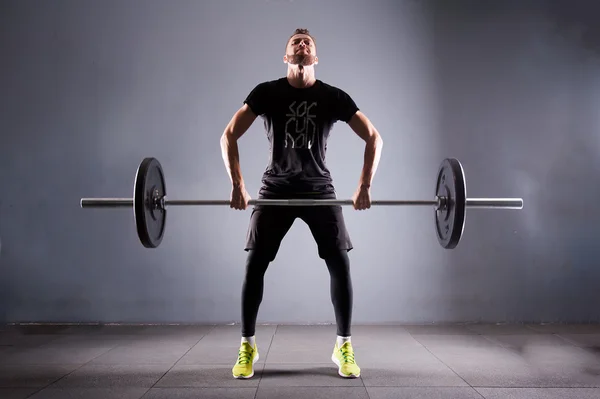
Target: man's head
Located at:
point(301, 49)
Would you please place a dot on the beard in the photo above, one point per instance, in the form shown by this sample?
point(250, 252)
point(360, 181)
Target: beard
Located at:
point(301, 59)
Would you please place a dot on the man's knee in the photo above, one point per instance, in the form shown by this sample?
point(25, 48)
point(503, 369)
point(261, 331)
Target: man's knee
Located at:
point(258, 253)
point(257, 262)
point(337, 260)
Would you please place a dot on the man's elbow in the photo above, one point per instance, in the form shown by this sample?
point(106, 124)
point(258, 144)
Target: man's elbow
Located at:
point(226, 137)
point(224, 143)
point(375, 138)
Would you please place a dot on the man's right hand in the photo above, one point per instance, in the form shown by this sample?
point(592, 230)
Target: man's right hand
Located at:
point(239, 198)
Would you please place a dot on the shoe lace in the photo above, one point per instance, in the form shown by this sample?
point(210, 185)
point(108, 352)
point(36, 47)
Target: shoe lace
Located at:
point(347, 355)
point(244, 356)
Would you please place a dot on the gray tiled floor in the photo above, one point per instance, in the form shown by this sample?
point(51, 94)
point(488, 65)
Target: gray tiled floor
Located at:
point(458, 361)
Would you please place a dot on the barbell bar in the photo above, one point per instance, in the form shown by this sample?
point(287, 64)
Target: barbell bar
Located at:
point(150, 202)
point(506, 203)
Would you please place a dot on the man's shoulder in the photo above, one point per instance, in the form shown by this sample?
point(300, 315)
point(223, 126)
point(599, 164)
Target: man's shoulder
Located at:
point(271, 83)
point(327, 86)
point(330, 87)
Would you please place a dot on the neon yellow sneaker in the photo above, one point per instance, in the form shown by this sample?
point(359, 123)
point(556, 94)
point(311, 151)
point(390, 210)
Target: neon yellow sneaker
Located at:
point(247, 356)
point(344, 358)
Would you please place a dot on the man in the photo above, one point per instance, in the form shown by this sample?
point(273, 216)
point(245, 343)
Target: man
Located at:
point(298, 112)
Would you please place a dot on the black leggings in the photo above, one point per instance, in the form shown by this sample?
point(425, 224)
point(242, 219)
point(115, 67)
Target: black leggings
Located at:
point(338, 264)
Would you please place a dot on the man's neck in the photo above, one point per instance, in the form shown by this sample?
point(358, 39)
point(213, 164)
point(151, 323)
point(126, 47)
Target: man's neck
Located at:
point(301, 77)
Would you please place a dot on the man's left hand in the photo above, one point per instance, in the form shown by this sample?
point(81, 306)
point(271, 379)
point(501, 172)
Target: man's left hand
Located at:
point(362, 198)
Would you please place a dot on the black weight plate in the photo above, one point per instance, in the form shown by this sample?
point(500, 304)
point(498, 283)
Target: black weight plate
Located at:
point(450, 220)
point(150, 215)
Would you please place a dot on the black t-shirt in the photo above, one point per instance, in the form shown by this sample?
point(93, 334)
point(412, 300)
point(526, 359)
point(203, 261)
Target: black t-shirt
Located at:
point(297, 124)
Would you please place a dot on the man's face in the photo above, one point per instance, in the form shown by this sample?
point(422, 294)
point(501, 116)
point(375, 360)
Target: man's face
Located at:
point(301, 50)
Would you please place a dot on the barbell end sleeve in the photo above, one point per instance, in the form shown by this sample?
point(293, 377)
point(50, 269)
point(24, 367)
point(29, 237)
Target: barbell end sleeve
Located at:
point(500, 203)
point(106, 202)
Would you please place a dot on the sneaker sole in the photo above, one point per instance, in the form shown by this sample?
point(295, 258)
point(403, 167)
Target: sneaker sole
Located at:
point(337, 362)
point(243, 377)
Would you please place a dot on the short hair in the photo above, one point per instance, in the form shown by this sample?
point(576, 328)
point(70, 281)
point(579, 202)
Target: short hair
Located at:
point(300, 31)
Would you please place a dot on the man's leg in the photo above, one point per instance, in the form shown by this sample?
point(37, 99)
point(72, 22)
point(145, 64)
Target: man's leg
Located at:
point(268, 226)
point(338, 264)
point(333, 241)
point(252, 289)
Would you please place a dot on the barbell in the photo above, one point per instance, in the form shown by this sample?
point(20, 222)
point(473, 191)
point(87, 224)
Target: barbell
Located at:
point(450, 202)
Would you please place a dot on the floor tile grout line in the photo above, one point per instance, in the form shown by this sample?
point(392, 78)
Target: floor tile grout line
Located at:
point(214, 327)
point(500, 345)
point(417, 387)
point(450, 368)
point(477, 391)
point(364, 385)
point(108, 350)
point(271, 343)
point(552, 387)
point(515, 352)
point(265, 361)
point(570, 342)
point(36, 392)
point(72, 371)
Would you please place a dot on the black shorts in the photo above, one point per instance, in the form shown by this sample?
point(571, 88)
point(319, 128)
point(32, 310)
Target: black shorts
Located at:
point(270, 223)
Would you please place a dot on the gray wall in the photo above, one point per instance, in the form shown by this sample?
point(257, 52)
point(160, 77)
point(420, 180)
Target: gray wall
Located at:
point(89, 88)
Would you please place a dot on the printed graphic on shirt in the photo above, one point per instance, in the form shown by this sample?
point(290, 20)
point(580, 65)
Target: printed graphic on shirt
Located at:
point(300, 126)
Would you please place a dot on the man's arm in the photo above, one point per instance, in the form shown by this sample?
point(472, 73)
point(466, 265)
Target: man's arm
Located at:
point(363, 127)
point(239, 124)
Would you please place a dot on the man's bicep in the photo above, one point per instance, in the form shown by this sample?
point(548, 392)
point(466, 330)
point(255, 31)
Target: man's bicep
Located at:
point(240, 122)
point(362, 126)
